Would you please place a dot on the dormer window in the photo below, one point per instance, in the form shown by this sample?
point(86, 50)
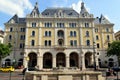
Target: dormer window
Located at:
point(46, 13)
point(60, 14)
point(70, 13)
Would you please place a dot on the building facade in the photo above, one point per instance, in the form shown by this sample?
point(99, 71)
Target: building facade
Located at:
point(1, 36)
point(117, 35)
point(59, 37)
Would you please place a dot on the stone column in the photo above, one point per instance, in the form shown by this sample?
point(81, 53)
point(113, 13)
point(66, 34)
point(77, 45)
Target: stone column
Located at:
point(40, 62)
point(54, 62)
point(25, 62)
point(80, 62)
point(97, 63)
point(67, 61)
point(83, 62)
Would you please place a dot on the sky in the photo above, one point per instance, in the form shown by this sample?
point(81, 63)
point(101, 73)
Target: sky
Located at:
point(108, 8)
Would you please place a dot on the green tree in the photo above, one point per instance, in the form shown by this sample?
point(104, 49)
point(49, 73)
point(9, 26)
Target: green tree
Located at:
point(114, 49)
point(4, 50)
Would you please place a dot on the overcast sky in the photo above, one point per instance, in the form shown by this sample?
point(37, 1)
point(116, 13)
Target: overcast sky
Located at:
point(109, 8)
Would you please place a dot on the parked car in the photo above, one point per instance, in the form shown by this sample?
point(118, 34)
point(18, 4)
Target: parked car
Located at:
point(7, 69)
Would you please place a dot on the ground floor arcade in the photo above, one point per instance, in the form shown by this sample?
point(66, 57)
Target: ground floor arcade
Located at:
point(50, 60)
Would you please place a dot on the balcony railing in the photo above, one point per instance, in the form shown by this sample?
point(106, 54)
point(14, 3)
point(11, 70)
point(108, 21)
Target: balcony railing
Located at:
point(58, 47)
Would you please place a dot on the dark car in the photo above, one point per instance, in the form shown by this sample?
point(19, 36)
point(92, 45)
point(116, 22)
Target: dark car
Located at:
point(117, 69)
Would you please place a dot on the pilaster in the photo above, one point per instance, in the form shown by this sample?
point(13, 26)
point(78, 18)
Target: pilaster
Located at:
point(67, 61)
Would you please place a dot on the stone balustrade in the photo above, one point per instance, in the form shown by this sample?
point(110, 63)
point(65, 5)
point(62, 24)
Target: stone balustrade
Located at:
point(63, 75)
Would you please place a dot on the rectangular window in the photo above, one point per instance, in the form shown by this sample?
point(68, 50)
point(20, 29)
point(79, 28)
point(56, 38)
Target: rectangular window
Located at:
point(33, 24)
point(107, 29)
point(97, 38)
point(22, 29)
point(72, 25)
point(96, 29)
point(48, 24)
point(75, 42)
point(11, 29)
point(86, 24)
point(98, 46)
point(71, 42)
point(60, 25)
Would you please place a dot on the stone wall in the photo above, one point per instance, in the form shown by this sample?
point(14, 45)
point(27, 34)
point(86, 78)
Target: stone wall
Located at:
point(63, 75)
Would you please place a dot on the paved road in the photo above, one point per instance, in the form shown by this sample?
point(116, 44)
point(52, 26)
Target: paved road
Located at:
point(11, 76)
point(18, 76)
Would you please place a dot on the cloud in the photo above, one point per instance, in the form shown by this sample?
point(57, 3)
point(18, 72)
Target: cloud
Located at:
point(116, 30)
point(77, 6)
point(106, 16)
point(12, 7)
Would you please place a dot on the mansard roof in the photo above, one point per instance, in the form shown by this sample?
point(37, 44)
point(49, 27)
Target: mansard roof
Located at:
point(102, 20)
point(16, 19)
point(56, 11)
point(35, 11)
point(84, 12)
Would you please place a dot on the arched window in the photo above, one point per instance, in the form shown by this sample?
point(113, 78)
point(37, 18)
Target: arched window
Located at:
point(71, 33)
point(87, 33)
point(45, 42)
point(108, 37)
point(49, 33)
point(32, 42)
point(49, 42)
point(33, 33)
point(74, 33)
point(45, 33)
point(88, 42)
point(10, 37)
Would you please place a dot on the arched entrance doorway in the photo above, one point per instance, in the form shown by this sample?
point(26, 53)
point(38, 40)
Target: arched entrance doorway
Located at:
point(7, 62)
point(47, 60)
point(99, 61)
point(74, 60)
point(61, 61)
point(32, 60)
point(20, 62)
point(111, 62)
point(88, 60)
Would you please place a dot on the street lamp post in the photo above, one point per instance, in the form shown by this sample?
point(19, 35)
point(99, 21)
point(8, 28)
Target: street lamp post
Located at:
point(27, 58)
point(94, 52)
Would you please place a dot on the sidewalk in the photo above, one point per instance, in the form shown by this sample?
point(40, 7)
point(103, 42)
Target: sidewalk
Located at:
point(18, 70)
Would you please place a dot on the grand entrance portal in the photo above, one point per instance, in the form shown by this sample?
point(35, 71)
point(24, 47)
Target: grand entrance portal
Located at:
point(32, 60)
point(73, 60)
point(47, 60)
point(61, 61)
point(88, 59)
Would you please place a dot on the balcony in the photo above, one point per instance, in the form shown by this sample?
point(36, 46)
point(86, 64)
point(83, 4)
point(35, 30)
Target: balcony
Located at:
point(57, 47)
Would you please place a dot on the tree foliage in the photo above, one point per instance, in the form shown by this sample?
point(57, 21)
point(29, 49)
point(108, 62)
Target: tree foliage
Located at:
point(4, 50)
point(114, 49)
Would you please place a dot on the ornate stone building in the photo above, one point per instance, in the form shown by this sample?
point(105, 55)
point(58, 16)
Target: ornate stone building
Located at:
point(117, 35)
point(59, 37)
point(1, 36)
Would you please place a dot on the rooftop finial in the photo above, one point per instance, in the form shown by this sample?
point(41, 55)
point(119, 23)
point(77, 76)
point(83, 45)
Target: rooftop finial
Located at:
point(82, 5)
point(36, 4)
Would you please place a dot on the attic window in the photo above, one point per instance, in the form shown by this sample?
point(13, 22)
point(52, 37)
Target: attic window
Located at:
point(46, 13)
point(70, 13)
